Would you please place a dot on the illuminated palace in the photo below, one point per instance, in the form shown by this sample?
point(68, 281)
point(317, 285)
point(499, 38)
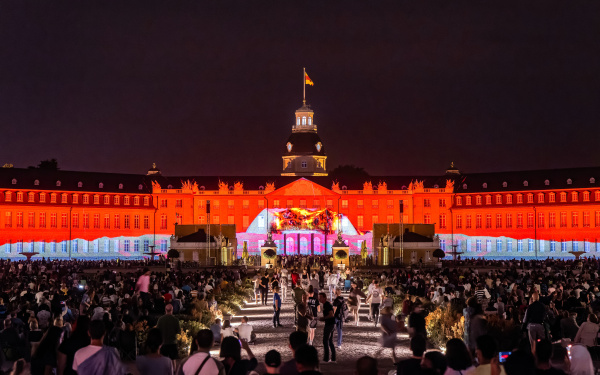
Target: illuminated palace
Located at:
point(61, 214)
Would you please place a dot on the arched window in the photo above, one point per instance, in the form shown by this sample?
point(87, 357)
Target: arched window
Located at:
point(140, 187)
point(317, 245)
point(505, 184)
point(202, 188)
point(261, 187)
point(547, 182)
point(290, 248)
point(298, 120)
point(436, 186)
point(14, 181)
point(344, 187)
point(303, 120)
point(309, 120)
point(58, 183)
point(468, 200)
point(36, 182)
point(169, 186)
point(458, 201)
point(592, 180)
point(464, 186)
point(485, 185)
point(525, 183)
point(120, 186)
point(569, 181)
point(101, 186)
point(80, 184)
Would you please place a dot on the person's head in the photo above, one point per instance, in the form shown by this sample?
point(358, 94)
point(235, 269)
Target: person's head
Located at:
point(226, 323)
point(244, 319)
point(20, 367)
point(230, 348)
point(520, 362)
point(307, 358)
point(457, 355)
point(168, 309)
point(311, 290)
point(535, 297)
point(205, 339)
point(434, 360)
point(418, 345)
point(543, 351)
point(297, 339)
point(33, 325)
point(275, 290)
point(486, 348)
point(272, 359)
point(146, 271)
point(7, 323)
point(338, 292)
point(154, 340)
point(218, 321)
point(96, 329)
point(322, 297)
point(592, 318)
point(366, 366)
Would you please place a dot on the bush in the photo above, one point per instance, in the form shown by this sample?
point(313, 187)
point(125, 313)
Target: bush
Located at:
point(442, 325)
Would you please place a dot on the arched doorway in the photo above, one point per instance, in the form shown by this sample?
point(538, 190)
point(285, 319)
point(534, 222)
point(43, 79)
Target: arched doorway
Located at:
point(290, 248)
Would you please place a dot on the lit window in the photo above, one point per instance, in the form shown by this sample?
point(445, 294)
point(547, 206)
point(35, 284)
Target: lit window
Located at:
point(303, 120)
point(309, 120)
point(509, 199)
point(106, 199)
point(498, 199)
point(574, 196)
point(101, 185)
point(468, 200)
point(478, 200)
point(551, 197)
point(36, 182)
point(459, 201)
point(58, 183)
point(80, 184)
point(519, 198)
point(530, 198)
point(488, 199)
point(117, 200)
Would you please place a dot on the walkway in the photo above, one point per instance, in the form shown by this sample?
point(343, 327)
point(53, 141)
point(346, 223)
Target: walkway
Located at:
point(357, 340)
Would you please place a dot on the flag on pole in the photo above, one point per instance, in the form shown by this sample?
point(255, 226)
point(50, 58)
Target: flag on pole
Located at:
point(307, 80)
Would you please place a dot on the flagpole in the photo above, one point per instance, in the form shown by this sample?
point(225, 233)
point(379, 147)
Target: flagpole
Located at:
point(304, 86)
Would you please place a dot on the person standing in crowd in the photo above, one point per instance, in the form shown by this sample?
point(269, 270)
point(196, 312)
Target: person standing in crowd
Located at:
point(142, 287)
point(276, 307)
point(231, 352)
point(354, 300)
point(296, 340)
point(200, 362)
point(97, 358)
point(313, 306)
point(588, 331)
point(389, 330)
point(329, 319)
point(487, 350)
point(299, 295)
point(257, 289)
point(543, 353)
point(458, 358)
point(338, 308)
point(169, 328)
point(154, 363)
point(264, 288)
point(374, 300)
point(307, 359)
point(534, 319)
point(412, 365)
point(78, 339)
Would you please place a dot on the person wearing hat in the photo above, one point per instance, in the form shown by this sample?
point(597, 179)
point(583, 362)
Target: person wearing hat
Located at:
point(271, 364)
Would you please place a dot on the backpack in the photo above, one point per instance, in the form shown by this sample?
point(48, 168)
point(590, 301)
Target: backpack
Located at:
point(343, 311)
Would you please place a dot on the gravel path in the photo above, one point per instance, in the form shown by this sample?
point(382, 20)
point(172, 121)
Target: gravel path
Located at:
point(358, 340)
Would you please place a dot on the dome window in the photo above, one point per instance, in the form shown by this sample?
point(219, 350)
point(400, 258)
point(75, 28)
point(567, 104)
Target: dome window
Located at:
point(58, 183)
point(297, 120)
point(319, 146)
point(140, 187)
point(547, 182)
point(36, 182)
point(101, 186)
point(569, 182)
point(289, 147)
point(80, 184)
point(592, 180)
point(120, 186)
point(14, 181)
point(303, 120)
point(505, 184)
point(525, 183)
point(485, 185)
point(309, 120)
point(169, 186)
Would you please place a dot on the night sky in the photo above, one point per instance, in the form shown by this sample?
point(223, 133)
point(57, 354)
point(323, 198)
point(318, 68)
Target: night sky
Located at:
point(210, 87)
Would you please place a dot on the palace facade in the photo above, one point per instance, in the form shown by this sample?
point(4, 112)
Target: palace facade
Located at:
point(62, 214)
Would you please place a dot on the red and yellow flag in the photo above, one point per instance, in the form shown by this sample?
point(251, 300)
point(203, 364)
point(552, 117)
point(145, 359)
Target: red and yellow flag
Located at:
point(307, 80)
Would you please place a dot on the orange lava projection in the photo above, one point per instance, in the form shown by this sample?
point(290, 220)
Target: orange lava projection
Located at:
point(325, 221)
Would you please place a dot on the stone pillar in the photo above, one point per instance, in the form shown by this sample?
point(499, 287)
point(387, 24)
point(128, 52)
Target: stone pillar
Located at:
point(285, 244)
point(298, 244)
point(312, 244)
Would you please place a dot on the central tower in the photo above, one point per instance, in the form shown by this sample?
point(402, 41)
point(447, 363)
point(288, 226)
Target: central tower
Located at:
point(304, 153)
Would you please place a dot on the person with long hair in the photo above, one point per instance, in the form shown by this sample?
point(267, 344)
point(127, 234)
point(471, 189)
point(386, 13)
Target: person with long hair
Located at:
point(458, 358)
point(44, 359)
point(66, 351)
point(313, 308)
point(581, 361)
point(231, 352)
point(154, 363)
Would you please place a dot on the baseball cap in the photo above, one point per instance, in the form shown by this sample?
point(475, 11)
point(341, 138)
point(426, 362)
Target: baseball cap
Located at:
point(273, 358)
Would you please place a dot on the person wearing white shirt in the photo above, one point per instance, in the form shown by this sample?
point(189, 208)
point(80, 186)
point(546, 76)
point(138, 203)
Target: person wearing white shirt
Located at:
point(244, 330)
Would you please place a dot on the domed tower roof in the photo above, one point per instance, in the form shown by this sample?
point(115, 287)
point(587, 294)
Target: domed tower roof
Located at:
point(304, 143)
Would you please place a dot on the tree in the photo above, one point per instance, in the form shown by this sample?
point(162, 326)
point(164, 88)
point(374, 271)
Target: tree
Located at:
point(438, 253)
point(49, 165)
point(348, 171)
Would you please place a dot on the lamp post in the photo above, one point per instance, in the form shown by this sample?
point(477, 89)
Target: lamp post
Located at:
point(270, 245)
point(341, 250)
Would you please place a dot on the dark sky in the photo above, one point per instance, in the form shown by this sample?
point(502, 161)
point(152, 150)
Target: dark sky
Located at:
point(210, 87)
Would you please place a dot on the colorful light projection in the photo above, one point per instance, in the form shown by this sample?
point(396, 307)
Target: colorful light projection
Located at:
point(324, 221)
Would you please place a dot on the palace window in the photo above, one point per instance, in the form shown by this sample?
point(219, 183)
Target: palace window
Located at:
point(359, 221)
point(498, 199)
point(52, 198)
point(443, 221)
point(245, 221)
point(597, 214)
point(390, 203)
point(75, 198)
point(146, 222)
point(509, 245)
point(458, 221)
point(216, 219)
point(499, 245)
point(42, 218)
point(31, 220)
point(551, 197)
point(468, 222)
point(316, 204)
point(359, 203)
point(86, 221)
point(230, 204)
point(8, 219)
point(488, 221)
point(426, 219)
point(586, 196)
point(375, 219)
point(553, 246)
point(586, 219)
point(96, 199)
point(31, 197)
point(302, 203)
point(96, 221)
point(498, 220)
point(488, 199)
point(530, 219)
point(329, 203)
point(63, 198)
point(519, 220)
point(304, 164)
point(519, 198)
point(541, 220)
point(574, 219)
point(75, 220)
point(442, 203)
point(303, 120)
point(563, 197)
point(116, 200)
point(574, 196)
point(478, 246)
point(117, 219)
point(509, 199)
point(344, 203)
point(53, 220)
point(290, 203)
point(541, 198)
point(519, 246)
point(19, 197)
point(309, 120)
point(375, 204)
point(563, 246)
point(298, 120)
point(261, 204)
point(478, 221)
point(136, 201)
point(468, 200)
point(245, 204)
point(426, 203)
point(597, 196)
point(459, 201)
point(146, 201)
point(478, 200)
point(19, 220)
point(179, 203)
point(276, 203)
point(106, 199)
point(163, 203)
point(126, 222)
point(563, 219)
point(86, 199)
point(163, 222)
point(552, 220)
point(509, 222)
point(106, 221)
